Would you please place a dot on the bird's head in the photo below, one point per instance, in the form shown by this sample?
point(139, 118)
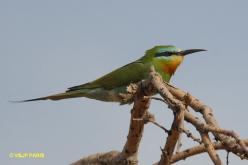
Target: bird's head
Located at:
point(167, 58)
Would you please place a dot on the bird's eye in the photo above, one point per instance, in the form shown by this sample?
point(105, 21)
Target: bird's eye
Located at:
point(165, 54)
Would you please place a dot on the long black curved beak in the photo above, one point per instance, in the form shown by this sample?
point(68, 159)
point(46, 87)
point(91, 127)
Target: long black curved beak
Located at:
point(190, 51)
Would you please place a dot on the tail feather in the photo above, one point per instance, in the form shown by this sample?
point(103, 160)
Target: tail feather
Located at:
point(36, 99)
point(59, 96)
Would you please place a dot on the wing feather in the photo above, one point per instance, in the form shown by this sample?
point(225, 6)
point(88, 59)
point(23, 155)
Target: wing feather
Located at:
point(125, 75)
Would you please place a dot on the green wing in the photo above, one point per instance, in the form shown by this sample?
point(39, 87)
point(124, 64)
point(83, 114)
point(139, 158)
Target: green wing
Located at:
point(123, 76)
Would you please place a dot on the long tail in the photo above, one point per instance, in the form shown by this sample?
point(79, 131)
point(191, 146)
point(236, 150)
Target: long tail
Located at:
point(59, 96)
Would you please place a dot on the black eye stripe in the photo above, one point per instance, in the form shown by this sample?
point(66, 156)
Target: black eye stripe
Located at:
point(165, 54)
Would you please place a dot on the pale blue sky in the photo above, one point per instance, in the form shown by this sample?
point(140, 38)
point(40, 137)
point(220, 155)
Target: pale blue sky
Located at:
point(47, 46)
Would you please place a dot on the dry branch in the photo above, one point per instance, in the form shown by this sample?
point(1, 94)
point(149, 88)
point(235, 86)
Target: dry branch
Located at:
point(130, 150)
point(177, 101)
point(198, 150)
point(177, 125)
point(141, 105)
point(228, 139)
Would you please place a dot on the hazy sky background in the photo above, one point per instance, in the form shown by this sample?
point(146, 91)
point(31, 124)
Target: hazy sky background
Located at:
point(47, 46)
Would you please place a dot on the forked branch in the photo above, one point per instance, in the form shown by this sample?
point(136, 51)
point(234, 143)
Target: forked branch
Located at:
point(178, 102)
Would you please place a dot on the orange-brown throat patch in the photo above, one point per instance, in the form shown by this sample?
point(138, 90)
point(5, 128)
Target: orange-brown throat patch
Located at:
point(171, 66)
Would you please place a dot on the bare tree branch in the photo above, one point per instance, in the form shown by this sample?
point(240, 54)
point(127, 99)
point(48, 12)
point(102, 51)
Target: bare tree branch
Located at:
point(177, 101)
point(210, 149)
point(141, 105)
point(198, 106)
point(198, 150)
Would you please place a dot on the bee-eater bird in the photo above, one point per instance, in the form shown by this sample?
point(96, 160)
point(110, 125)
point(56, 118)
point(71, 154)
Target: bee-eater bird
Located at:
point(164, 58)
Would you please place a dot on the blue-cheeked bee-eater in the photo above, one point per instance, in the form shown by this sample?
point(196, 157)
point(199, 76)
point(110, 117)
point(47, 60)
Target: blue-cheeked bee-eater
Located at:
point(164, 58)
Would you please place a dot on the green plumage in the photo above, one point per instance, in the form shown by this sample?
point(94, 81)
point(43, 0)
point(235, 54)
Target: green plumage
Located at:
point(165, 59)
point(127, 74)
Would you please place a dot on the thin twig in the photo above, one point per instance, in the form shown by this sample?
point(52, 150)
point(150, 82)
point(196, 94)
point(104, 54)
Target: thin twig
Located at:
point(190, 135)
point(160, 126)
point(227, 158)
